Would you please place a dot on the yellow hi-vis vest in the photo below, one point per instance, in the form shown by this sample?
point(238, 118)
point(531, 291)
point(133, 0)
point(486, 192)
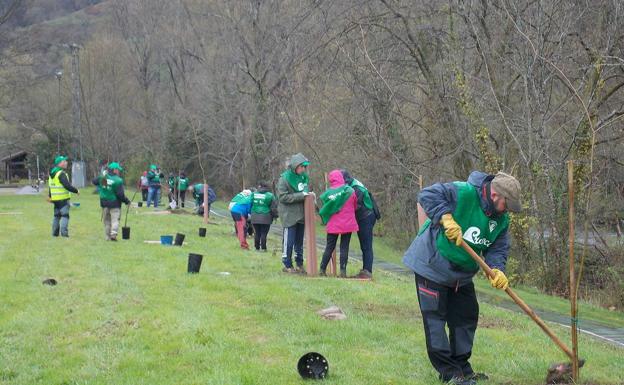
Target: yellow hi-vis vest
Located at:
point(57, 191)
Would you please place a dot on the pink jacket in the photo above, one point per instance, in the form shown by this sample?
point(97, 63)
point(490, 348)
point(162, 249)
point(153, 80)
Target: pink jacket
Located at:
point(344, 220)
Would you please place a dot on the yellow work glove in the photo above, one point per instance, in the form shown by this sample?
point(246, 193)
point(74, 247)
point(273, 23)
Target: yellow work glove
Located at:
point(451, 229)
point(499, 279)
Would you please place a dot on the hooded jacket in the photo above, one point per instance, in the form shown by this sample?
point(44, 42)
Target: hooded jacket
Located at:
point(290, 206)
point(423, 257)
point(362, 212)
point(343, 221)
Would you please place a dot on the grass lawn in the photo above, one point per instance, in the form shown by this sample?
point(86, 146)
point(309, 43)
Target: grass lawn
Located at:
point(128, 313)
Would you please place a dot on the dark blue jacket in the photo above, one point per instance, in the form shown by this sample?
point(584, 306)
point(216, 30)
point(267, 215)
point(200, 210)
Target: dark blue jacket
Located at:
point(422, 256)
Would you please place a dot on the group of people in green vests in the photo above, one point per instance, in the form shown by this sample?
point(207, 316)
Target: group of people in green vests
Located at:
point(347, 207)
point(472, 212)
point(110, 187)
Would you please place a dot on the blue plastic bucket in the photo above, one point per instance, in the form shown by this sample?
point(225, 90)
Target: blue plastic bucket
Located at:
point(166, 239)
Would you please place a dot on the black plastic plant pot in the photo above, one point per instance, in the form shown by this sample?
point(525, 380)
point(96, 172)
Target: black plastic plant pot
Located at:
point(202, 232)
point(140, 204)
point(194, 262)
point(179, 239)
point(125, 232)
point(313, 365)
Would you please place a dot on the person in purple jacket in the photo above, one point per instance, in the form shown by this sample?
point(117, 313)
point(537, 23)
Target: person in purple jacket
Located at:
point(338, 213)
point(474, 212)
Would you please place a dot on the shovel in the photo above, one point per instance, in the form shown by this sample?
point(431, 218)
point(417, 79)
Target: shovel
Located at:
point(561, 369)
point(125, 230)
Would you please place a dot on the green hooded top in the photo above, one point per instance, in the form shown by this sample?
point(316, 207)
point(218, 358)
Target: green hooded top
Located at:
point(290, 192)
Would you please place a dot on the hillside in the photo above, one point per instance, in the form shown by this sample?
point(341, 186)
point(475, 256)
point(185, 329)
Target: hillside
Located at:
point(40, 30)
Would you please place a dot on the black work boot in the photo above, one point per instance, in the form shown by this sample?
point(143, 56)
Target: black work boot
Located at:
point(461, 381)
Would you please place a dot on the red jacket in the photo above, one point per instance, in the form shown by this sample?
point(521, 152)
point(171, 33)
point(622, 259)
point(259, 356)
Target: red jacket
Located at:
point(344, 220)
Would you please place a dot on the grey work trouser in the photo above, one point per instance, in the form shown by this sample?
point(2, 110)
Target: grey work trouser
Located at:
point(110, 216)
point(456, 308)
point(61, 220)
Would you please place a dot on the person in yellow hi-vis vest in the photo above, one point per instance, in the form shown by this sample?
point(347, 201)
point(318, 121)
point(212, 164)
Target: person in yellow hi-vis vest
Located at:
point(59, 194)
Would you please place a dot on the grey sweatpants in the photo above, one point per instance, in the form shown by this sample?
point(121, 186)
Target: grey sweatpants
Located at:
point(110, 216)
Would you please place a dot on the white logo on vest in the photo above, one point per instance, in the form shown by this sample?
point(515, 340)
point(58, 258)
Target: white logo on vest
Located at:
point(301, 186)
point(492, 225)
point(472, 235)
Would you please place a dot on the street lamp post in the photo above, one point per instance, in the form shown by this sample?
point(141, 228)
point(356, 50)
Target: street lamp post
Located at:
point(59, 76)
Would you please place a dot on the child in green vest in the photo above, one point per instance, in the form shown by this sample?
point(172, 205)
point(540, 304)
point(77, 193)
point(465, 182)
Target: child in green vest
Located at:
point(263, 211)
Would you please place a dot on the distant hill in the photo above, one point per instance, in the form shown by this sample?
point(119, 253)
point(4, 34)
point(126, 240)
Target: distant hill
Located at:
point(42, 28)
point(30, 12)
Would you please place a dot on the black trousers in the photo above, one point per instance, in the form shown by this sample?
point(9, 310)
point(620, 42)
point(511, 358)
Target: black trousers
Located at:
point(260, 235)
point(330, 246)
point(456, 308)
point(144, 194)
point(182, 197)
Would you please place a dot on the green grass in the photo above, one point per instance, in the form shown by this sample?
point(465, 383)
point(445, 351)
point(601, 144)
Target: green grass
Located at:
point(127, 313)
point(533, 297)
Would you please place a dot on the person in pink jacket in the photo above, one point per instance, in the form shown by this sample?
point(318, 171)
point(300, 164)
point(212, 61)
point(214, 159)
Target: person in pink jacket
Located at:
point(338, 213)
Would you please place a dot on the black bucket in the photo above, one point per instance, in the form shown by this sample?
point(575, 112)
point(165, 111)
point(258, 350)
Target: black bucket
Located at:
point(125, 232)
point(202, 232)
point(194, 262)
point(179, 239)
point(313, 365)
point(140, 204)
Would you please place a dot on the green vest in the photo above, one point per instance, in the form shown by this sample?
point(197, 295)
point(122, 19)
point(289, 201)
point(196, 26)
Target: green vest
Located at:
point(261, 202)
point(57, 191)
point(183, 184)
point(108, 185)
point(198, 192)
point(479, 230)
point(241, 198)
point(155, 176)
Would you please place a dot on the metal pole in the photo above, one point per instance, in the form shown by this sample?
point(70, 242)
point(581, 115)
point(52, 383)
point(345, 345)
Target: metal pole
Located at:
point(77, 128)
point(59, 76)
point(573, 313)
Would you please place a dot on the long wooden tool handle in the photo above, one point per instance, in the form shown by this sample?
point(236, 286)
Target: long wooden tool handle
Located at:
point(128, 209)
point(520, 302)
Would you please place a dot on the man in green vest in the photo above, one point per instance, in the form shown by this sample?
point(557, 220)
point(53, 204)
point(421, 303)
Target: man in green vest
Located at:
point(198, 194)
point(183, 185)
point(154, 176)
point(292, 188)
point(474, 212)
point(171, 184)
point(111, 196)
point(59, 194)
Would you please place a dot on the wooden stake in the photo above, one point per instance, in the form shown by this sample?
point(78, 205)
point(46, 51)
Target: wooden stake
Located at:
point(573, 312)
point(310, 234)
point(205, 204)
point(422, 217)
